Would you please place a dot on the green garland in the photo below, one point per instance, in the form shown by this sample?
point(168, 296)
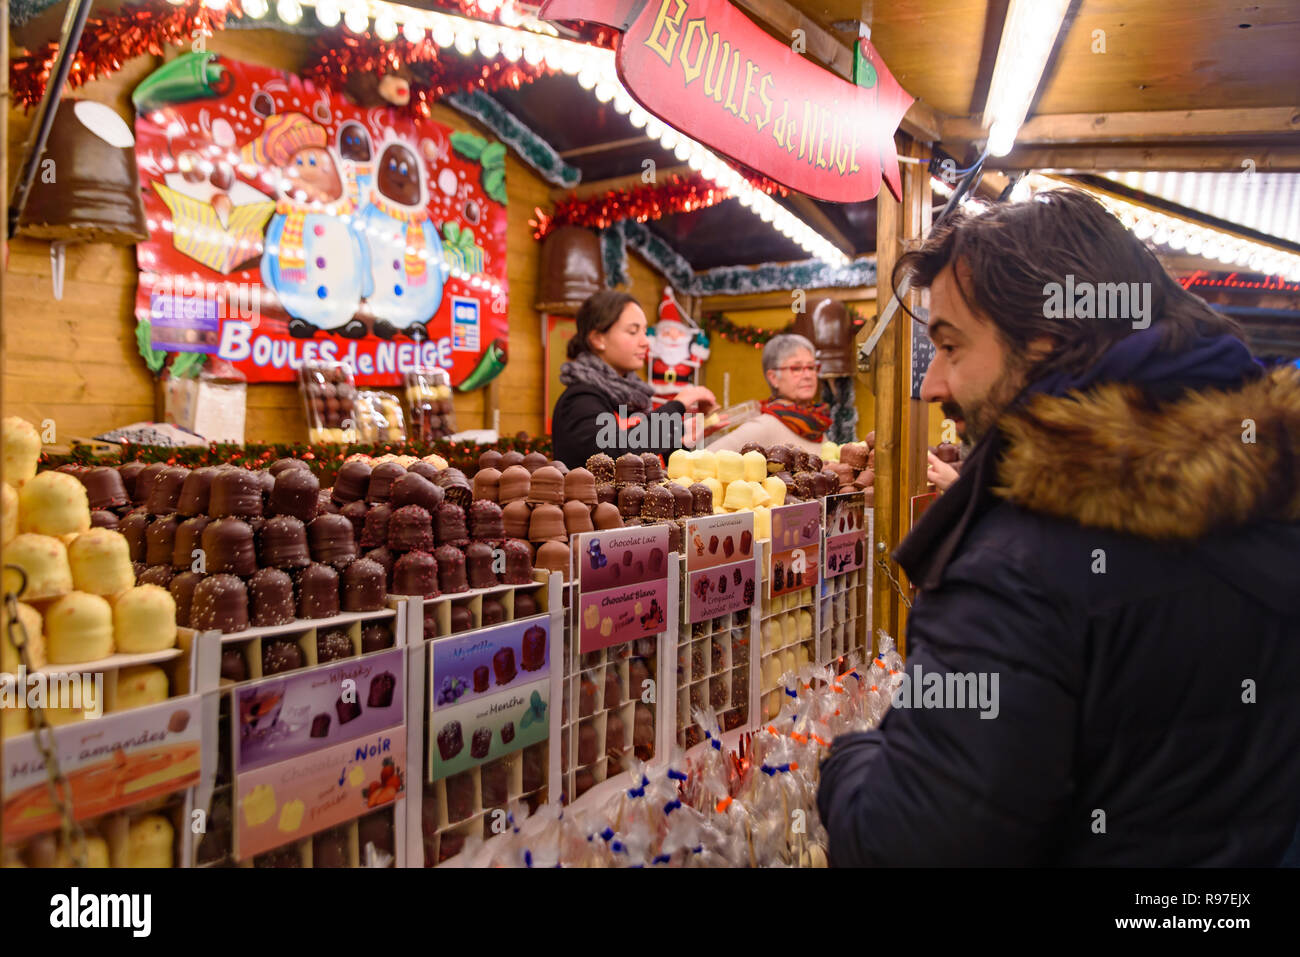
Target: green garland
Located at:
point(770, 277)
point(528, 146)
point(613, 250)
point(324, 459)
point(715, 323)
point(663, 257)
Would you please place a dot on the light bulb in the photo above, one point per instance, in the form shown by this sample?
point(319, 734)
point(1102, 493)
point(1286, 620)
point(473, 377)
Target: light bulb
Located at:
point(638, 117)
point(654, 127)
point(412, 31)
point(356, 19)
point(669, 139)
point(604, 91)
point(464, 42)
point(622, 102)
point(215, 4)
point(443, 35)
point(682, 151)
point(1002, 137)
point(570, 59)
point(511, 50)
point(328, 13)
point(587, 78)
point(489, 45)
point(290, 11)
point(255, 8)
point(489, 6)
point(386, 27)
point(1177, 239)
point(1144, 228)
point(1195, 243)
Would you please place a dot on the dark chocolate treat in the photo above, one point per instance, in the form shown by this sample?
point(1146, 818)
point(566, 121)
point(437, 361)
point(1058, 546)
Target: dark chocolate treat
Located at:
point(601, 466)
point(450, 740)
point(71, 468)
point(381, 690)
point(416, 573)
point(657, 503)
point(333, 645)
point(376, 636)
point(630, 499)
point(228, 547)
point(105, 488)
point(160, 575)
point(382, 478)
point(628, 470)
point(583, 781)
point(489, 459)
point(451, 569)
point(461, 619)
point(282, 543)
point(235, 492)
point(525, 605)
point(160, 540)
point(195, 492)
point(586, 697)
point(320, 726)
point(233, 665)
point(165, 492)
point(355, 512)
point(100, 518)
point(486, 522)
point(495, 776)
point(503, 664)
point(613, 688)
point(413, 488)
point(351, 483)
point(144, 482)
point(455, 486)
point(271, 596)
point(364, 586)
point(481, 743)
point(519, 564)
point(295, 493)
point(511, 458)
point(780, 458)
point(331, 540)
point(478, 565)
point(324, 504)
point(266, 482)
point(643, 732)
point(375, 530)
point(494, 612)
point(460, 795)
point(683, 500)
point(385, 558)
point(189, 539)
point(615, 740)
point(287, 856)
point(588, 742)
point(134, 527)
point(377, 829)
point(507, 732)
point(330, 848)
point(182, 588)
point(280, 465)
point(805, 485)
point(347, 710)
point(451, 524)
point(281, 654)
point(318, 591)
point(431, 628)
point(606, 493)
point(220, 602)
point(410, 527)
point(481, 676)
point(130, 472)
point(753, 447)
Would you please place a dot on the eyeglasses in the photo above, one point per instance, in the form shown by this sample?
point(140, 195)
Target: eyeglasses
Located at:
point(801, 369)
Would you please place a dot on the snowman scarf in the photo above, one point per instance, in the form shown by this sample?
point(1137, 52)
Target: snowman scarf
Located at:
point(414, 220)
point(293, 256)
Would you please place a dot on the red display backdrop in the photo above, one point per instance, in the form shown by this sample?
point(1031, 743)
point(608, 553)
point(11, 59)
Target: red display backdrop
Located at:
point(287, 225)
point(709, 71)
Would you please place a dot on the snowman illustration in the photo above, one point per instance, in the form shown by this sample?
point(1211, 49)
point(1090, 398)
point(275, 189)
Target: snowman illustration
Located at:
point(314, 259)
point(405, 252)
point(358, 160)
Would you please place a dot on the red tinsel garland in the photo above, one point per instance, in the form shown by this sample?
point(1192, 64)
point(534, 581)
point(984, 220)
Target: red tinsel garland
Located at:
point(676, 195)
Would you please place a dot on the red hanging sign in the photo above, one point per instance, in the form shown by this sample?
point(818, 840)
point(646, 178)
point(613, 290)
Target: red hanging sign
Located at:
point(709, 71)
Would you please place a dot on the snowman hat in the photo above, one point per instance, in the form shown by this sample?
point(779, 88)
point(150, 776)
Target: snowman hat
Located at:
point(282, 136)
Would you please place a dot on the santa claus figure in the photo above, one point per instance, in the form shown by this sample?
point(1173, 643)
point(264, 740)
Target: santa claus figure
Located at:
point(677, 349)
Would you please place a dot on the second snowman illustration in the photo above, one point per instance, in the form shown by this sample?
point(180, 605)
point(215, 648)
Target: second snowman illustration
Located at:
point(405, 252)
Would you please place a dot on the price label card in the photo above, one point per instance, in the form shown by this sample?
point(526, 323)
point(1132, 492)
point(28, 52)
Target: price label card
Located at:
point(844, 518)
point(622, 577)
point(795, 557)
point(719, 565)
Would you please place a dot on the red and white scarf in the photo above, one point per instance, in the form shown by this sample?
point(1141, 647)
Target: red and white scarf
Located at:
point(414, 234)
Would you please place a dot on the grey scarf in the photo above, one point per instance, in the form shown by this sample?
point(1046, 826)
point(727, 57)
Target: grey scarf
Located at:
point(626, 389)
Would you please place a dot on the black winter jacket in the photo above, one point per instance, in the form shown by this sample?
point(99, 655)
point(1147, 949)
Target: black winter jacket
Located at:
point(1132, 573)
point(586, 421)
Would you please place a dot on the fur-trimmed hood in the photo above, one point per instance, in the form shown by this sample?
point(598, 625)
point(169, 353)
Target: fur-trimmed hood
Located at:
point(1178, 471)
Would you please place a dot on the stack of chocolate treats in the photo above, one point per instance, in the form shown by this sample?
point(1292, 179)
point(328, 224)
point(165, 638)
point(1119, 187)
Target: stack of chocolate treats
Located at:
point(856, 469)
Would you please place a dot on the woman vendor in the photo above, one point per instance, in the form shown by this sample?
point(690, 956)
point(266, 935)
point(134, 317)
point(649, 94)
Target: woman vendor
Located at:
point(605, 406)
point(790, 417)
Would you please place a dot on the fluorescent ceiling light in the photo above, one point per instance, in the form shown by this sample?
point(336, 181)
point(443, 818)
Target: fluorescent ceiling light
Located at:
point(1027, 38)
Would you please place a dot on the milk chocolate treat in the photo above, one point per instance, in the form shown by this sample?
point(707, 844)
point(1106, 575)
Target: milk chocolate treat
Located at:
point(347, 709)
point(494, 612)
point(382, 478)
point(583, 781)
point(160, 540)
point(580, 486)
point(318, 591)
point(102, 519)
point(189, 538)
point(516, 518)
point(511, 458)
point(364, 586)
point(490, 459)
point(534, 461)
point(487, 484)
point(233, 665)
point(654, 468)
point(374, 531)
point(160, 575)
point(514, 485)
point(220, 602)
point(182, 588)
point(629, 470)
point(547, 524)
point(426, 470)
point(133, 528)
point(630, 500)
point(333, 645)
point(414, 489)
point(355, 512)
point(607, 516)
point(451, 569)
point(606, 492)
point(271, 596)
point(376, 636)
point(411, 527)
point(657, 503)
point(519, 563)
point(416, 573)
point(331, 540)
point(577, 518)
point(280, 465)
point(451, 528)
point(130, 472)
point(294, 493)
point(282, 543)
point(601, 466)
point(450, 740)
point(486, 521)
point(228, 547)
point(525, 605)
point(104, 488)
point(461, 619)
point(546, 487)
point(166, 491)
point(614, 737)
point(144, 482)
point(351, 483)
point(235, 492)
point(587, 742)
point(329, 849)
point(478, 565)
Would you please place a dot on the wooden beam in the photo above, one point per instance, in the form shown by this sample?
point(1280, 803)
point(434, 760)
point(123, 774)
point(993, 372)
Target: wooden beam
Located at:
point(781, 299)
point(812, 214)
point(784, 19)
point(1284, 158)
point(1141, 126)
point(923, 122)
point(604, 147)
point(630, 181)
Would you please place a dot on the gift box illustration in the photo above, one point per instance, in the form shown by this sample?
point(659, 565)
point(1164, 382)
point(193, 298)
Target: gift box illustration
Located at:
point(221, 230)
point(461, 250)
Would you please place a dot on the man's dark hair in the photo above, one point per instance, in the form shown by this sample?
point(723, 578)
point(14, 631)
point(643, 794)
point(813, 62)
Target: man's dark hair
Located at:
point(1015, 250)
point(597, 314)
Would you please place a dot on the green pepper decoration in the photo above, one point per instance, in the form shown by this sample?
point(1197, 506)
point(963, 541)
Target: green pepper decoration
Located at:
point(194, 76)
point(488, 368)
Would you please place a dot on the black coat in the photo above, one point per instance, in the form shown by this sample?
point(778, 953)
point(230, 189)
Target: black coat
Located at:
point(586, 421)
point(1148, 714)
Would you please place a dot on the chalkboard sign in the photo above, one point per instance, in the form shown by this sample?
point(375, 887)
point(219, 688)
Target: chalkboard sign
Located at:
point(922, 351)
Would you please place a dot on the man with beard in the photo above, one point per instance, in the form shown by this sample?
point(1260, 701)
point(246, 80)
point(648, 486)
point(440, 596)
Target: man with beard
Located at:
point(1122, 549)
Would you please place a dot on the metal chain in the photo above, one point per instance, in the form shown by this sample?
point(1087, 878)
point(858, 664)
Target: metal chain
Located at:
point(74, 839)
point(889, 573)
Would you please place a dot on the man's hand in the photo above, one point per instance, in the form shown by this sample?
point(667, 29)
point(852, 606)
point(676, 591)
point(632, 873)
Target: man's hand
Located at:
point(939, 472)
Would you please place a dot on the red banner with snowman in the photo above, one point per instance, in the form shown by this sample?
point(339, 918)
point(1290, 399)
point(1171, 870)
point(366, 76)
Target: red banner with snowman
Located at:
point(288, 225)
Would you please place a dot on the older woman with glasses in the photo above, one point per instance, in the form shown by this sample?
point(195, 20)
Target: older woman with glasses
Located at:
point(792, 415)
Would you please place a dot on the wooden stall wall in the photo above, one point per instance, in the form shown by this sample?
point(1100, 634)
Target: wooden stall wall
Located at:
point(75, 361)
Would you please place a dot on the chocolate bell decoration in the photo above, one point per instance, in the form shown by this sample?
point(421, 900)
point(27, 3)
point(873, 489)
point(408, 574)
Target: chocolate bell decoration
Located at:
point(571, 270)
point(831, 331)
point(87, 187)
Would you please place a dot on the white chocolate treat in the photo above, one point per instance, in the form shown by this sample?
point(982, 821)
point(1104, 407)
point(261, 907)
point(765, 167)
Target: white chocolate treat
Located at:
point(53, 503)
point(830, 452)
point(21, 450)
point(144, 619)
point(775, 488)
point(762, 522)
point(805, 623)
point(740, 495)
point(681, 466)
point(731, 467)
point(716, 488)
point(96, 853)
point(789, 629)
point(801, 655)
point(773, 704)
point(140, 686)
point(771, 671)
point(788, 662)
point(101, 562)
point(45, 560)
point(32, 623)
point(149, 843)
point(771, 635)
point(8, 514)
point(89, 705)
point(437, 461)
point(760, 495)
point(755, 465)
point(78, 627)
point(704, 464)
